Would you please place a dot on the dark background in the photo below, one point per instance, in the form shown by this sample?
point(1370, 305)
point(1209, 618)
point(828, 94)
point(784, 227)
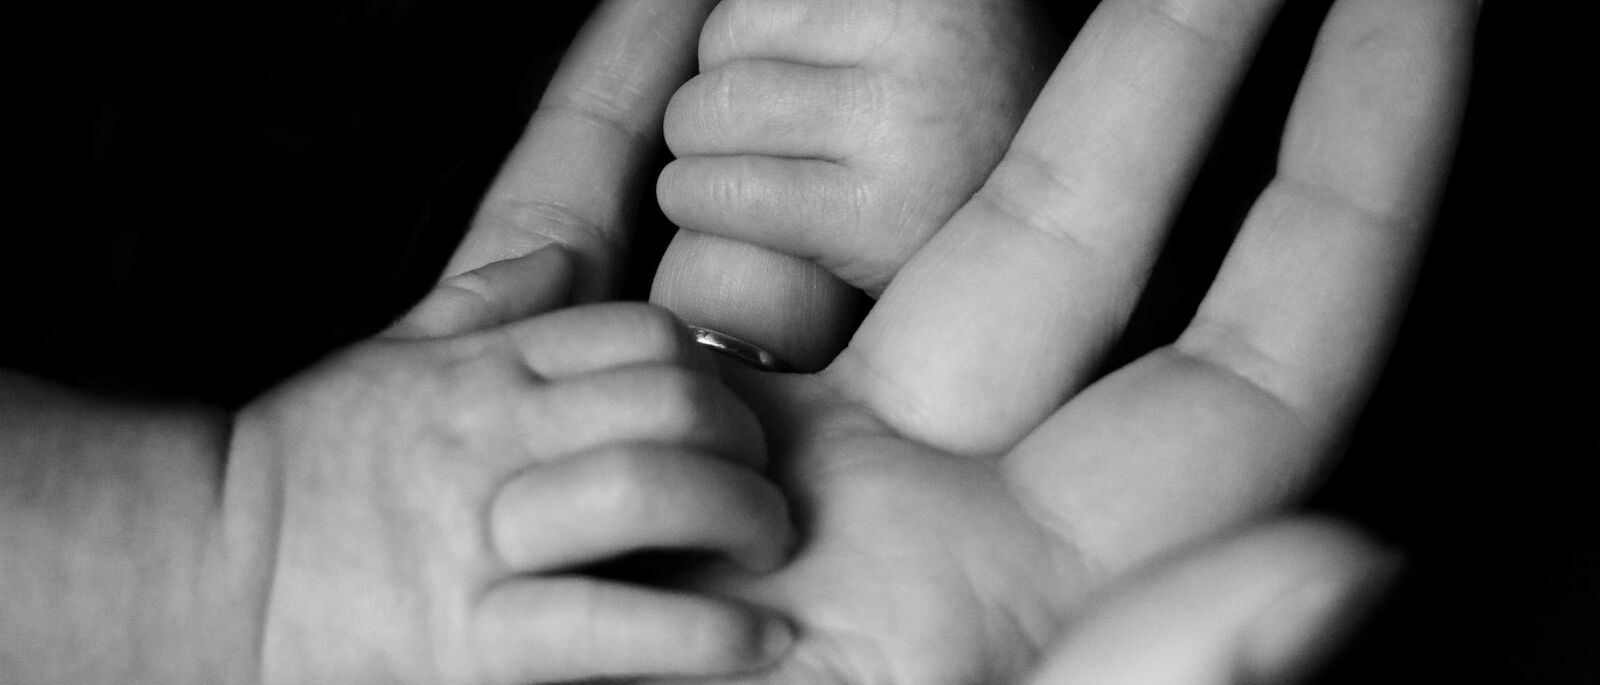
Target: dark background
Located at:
point(215, 194)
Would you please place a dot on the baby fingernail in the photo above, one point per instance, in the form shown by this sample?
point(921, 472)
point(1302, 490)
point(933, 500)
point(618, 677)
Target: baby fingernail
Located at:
point(777, 636)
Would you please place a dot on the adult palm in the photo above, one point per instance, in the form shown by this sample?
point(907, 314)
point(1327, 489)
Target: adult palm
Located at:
point(962, 486)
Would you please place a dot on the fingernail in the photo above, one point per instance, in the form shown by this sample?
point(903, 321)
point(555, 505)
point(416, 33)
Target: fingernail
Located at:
point(777, 636)
point(1304, 625)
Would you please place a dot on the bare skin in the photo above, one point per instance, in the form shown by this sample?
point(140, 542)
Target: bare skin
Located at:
point(422, 507)
point(1258, 606)
point(822, 143)
point(433, 500)
point(963, 482)
point(960, 483)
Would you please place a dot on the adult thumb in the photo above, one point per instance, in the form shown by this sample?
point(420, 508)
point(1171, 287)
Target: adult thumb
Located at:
point(1264, 606)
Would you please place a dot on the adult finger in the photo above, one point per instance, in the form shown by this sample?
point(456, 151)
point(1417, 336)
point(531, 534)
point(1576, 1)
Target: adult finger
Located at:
point(812, 209)
point(1314, 286)
point(646, 403)
point(583, 160)
point(590, 338)
point(788, 305)
point(1239, 414)
point(546, 629)
point(1261, 607)
point(490, 295)
point(769, 295)
point(622, 499)
point(1014, 299)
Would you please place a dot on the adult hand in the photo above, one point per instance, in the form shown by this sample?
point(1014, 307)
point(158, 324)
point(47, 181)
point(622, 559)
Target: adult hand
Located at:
point(823, 143)
point(585, 156)
point(960, 483)
point(1261, 606)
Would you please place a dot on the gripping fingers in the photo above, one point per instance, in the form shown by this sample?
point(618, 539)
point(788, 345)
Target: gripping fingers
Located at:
point(808, 208)
point(768, 142)
point(557, 629)
point(585, 339)
point(649, 403)
point(773, 108)
point(819, 32)
point(789, 306)
point(604, 504)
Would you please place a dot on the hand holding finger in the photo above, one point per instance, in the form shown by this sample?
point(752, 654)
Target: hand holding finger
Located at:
point(579, 340)
point(642, 403)
point(832, 138)
point(980, 341)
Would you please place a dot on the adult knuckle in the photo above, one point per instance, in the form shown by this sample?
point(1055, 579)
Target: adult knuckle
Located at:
point(1207, 23)
point(1034, 194)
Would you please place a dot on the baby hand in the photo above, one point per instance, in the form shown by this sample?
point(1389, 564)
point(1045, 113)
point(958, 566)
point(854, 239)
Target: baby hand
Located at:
point(842, 132)
point(435, 501)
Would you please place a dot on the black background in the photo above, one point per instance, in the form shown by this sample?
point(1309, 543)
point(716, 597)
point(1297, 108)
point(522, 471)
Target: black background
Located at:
point(215, 194)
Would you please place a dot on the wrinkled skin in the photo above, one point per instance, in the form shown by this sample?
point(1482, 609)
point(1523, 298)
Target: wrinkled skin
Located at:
point(962, 479)
point(837, 137)
point(921, 566)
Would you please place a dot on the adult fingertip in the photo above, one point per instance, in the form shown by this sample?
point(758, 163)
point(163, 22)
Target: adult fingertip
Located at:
point(1303, 626)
